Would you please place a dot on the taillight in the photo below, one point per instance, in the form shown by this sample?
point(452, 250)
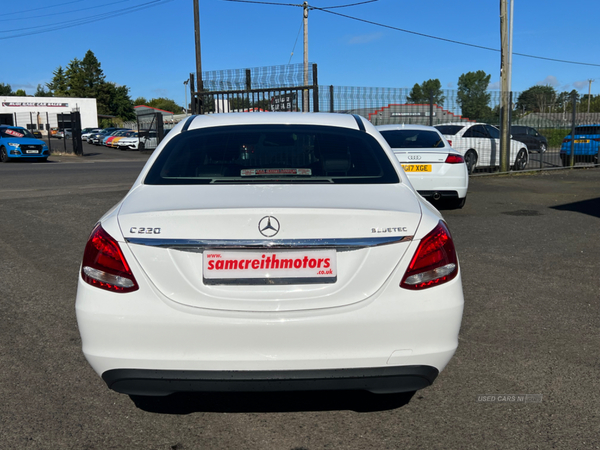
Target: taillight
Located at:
point(449, 142)
point(455, 159)
point(566, 141)
point(104, 265)
point(434, 262)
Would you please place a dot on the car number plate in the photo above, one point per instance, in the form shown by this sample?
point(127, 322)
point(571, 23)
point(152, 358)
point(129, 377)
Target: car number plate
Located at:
point(269, 267)
point(582, 141)
point(416, 167)
point(31, 151)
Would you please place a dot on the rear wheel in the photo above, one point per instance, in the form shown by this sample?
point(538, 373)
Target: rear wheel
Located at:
point(521, 160)
point(543, 148)
point(470, 160)
point(3, 155)
point(564, 159)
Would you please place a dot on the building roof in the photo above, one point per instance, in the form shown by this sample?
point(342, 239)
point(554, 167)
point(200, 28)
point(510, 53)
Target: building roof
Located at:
point(143, 109)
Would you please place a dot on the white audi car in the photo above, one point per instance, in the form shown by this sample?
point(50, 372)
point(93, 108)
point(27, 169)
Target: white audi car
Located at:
point(479, 143)
point(435, 169)
point(270, 251)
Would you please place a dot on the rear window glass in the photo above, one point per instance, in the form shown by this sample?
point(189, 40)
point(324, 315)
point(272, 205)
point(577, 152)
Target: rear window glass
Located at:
point(449, 129)
point(587, 130)
point(270, 154)
point(413, 138)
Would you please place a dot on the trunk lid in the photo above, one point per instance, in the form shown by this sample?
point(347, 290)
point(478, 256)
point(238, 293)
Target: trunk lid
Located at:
point(364, 229)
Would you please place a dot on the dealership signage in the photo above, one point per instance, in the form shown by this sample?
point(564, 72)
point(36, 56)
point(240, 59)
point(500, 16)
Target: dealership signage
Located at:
point(35, 104)
point(285, 102)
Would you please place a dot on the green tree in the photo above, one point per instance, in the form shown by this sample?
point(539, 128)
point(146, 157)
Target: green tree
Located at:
point(20, 93)
point(5, 89)
point(537, 99)
point(58, 85)
point(420, 93)
point(166, 104)
point(85, 78)
point(41, 92)
point(91, 74)
point(473, 96)
point(115, 101)
point(140, 101)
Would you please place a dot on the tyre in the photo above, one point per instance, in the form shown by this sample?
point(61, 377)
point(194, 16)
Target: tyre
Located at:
point(3, 155)
point(42, 160)
point(564, 159)
point(520, 160)
point(543, 148)
point(470, 161)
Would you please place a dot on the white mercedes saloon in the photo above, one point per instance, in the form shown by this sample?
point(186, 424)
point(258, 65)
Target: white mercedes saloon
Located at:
point(270, 252)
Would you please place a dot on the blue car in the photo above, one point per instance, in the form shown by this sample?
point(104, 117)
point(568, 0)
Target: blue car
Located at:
point(587, 142)
point(19, 143)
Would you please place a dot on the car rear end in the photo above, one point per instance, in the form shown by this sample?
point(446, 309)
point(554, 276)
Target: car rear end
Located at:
point(435, 169)
point(586, 143)
point(270, 258)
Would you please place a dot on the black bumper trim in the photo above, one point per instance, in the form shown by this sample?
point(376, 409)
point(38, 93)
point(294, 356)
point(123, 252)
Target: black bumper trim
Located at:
point(443, 194)
point(164, 382)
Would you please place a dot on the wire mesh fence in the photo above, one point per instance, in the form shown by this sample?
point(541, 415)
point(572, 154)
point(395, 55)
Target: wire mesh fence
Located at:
point(540, 128)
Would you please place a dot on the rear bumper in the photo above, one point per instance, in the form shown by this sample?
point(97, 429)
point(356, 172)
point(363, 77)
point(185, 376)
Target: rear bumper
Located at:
point(165, 382)
point(443, 195)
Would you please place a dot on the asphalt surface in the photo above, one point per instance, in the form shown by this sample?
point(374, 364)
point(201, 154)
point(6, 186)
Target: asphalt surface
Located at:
point(529, 250)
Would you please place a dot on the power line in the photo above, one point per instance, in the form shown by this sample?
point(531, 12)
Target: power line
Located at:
point(451, 40)
point(83, 20)
point(62, 13)
point(4, 14)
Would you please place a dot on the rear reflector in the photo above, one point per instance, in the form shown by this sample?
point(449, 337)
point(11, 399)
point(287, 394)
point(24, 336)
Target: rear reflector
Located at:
point(455, 159)
point(104, 265)
point(434, 262)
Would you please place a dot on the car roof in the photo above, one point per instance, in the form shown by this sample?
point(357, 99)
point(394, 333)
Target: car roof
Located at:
point(274, 118)
point(406, 126)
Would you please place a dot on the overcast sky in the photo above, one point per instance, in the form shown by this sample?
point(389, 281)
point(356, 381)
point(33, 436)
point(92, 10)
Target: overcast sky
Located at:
point(148, 45)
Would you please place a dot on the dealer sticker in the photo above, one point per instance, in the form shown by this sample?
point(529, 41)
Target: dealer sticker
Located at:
point(254, 265)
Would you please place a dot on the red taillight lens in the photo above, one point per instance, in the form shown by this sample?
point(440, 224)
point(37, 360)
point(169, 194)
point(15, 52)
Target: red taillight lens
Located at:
point(455, 159)
point(566, 141)
point(449, 142)
point(434, 262)
point(104, 265)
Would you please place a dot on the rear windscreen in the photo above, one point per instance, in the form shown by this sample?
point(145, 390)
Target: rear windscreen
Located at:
point(413, 138)
point(250, 154)
point(449, 129)
point(587, 130)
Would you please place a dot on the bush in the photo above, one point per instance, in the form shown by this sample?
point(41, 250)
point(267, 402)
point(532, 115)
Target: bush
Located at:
point(555, 136)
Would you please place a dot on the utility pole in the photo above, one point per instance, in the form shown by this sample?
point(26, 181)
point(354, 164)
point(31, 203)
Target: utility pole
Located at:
point(185, 83)
point(590, 93)
point(305, 104)
point(198, 108)
point(505, 93)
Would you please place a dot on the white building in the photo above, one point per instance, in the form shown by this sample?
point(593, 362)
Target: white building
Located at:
point(39, 111)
